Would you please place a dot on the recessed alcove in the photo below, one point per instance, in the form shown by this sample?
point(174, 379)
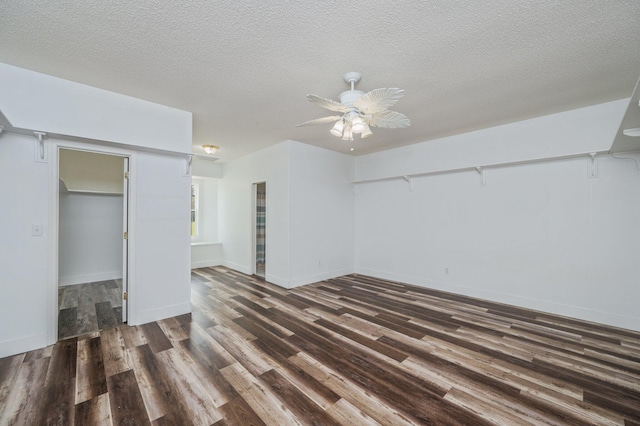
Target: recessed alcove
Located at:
point(90, 245)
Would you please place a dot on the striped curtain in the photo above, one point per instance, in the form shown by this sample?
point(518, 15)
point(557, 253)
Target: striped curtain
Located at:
point(260, 225)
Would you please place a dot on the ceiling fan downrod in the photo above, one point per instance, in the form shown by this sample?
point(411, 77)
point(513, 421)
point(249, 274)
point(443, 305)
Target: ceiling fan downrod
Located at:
point(352, 78)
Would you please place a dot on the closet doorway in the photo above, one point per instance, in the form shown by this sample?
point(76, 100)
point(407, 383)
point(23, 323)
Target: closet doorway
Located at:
point(92, 241)
point(260, 229)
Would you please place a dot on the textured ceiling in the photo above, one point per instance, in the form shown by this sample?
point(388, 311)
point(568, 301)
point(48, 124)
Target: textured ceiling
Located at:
point(244, 68)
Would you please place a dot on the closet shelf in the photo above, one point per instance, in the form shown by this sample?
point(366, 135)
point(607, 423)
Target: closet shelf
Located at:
point(65, 189)
point(480, 168)
point(205, 243)
point(80, 191)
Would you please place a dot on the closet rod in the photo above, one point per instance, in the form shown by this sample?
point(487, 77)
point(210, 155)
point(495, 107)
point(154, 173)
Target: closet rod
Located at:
point(590, 155)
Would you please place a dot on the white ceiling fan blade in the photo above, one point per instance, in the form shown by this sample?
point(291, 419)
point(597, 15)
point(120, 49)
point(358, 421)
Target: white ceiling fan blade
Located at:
point(321, 120)
point(388, 119)
point(378, 100)
point(327, 103)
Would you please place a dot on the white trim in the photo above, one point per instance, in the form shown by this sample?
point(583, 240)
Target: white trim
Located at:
point(23, 344)
point(161, 313)
point(54, 206)
point(546, 306)
point(309, 279)
point(89, 278)
point(279, 281)
point(206, 263)
point(52, 285)
point(237, 267)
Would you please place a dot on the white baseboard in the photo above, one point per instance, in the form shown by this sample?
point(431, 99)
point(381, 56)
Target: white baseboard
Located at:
point(279, 281)
point(578, 312)
point(309, 279)
point(205, 263)
point(89, 278)
point(237, 267)
point(160, 313)
point(285, 283)
point(23, 344)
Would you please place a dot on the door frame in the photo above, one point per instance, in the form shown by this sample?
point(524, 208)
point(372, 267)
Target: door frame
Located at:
point(125, 241)
point(254, 218)
point(54, 211)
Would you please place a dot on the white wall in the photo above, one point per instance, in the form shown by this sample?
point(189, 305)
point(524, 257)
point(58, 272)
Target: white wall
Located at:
point(89, 238)
point(576, 131)
point(24, 259)
point(34, 101)
point(159, 220)
point(159, 241)
point(206, 254)
point(270, 165)
point(309, 213)
point(322, 214)
point(543, 236)
point(206, 168)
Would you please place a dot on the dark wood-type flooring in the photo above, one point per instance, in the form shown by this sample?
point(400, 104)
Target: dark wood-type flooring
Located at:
point(90, 307)
point(353, 350)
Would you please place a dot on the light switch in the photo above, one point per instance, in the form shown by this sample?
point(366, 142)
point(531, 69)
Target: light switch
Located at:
point(36, 230)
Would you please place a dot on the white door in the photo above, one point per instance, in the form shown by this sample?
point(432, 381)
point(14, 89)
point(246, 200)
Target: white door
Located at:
point(125, 240)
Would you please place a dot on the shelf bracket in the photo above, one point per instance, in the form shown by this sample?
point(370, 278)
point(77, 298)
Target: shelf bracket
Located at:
point(480, 170)
point(409, 181)
point(593, 165)
point(40, 151)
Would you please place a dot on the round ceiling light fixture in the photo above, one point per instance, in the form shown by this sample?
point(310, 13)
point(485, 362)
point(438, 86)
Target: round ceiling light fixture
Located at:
point(210, 149)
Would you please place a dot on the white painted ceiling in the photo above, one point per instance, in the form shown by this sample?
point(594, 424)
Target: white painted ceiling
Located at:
point(244, 67)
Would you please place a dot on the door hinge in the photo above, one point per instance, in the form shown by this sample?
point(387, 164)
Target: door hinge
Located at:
point(126, 235)
point(125, 295)
point(126, 175)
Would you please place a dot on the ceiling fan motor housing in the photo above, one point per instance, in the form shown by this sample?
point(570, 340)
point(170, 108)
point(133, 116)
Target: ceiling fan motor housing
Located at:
point(350, 96)
point(371, 110)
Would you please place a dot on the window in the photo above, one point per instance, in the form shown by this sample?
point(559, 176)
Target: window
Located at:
point(204, 210)
point(195, 190)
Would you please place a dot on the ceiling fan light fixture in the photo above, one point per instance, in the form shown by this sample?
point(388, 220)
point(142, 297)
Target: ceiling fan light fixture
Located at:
point(210, 149)
point(360, 111)
point(337, 128)
point(347, 134)
point(357, 124)
point(366, 131)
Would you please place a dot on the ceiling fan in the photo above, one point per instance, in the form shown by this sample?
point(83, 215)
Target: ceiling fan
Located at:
point(360, 110)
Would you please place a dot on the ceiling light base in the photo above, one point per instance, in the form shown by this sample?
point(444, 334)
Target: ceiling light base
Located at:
point(352, 77)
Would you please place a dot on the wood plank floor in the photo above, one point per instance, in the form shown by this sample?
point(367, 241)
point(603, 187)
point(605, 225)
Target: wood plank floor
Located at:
point(351, 351)
point(90, 307)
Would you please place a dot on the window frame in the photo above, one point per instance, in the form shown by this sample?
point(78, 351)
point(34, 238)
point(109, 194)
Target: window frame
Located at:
point(195, 210)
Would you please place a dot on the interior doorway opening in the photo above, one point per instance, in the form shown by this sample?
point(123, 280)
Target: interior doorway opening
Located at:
point(93, 201)
point(260, 229)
